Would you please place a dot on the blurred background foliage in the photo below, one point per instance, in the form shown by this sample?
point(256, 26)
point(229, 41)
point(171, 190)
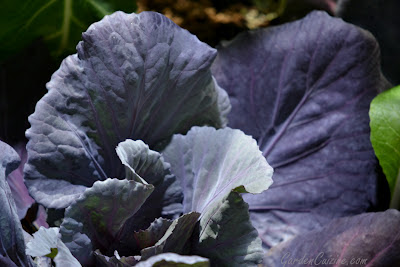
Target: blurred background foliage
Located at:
point(36, 35)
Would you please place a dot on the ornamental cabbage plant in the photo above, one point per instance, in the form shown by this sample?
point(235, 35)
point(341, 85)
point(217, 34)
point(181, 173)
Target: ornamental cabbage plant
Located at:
point(156, 149)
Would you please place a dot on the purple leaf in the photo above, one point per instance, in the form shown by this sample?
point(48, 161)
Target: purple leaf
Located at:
point(173, 259)
point(96, 218)
point(23, 201)
point(369, 239)
point(134, 76)
point(148, 167)
point(226, 235)
point(303, 90)
point(12, 244)
point(214, 166)
point(175, 238)
point(150, 236)
point(210, 163)
point(41, 218)
point(134, 242)
point(116, 260)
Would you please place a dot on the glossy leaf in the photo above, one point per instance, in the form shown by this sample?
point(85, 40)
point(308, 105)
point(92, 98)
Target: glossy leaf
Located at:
point(303, 91)
point(135, 76)
point(369, 239)
point(211, 163)
point(47, 242)
point(385, 137)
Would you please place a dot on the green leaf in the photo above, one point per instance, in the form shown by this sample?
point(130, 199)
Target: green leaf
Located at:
point(59, 23)
point(226, 235)
point(385, 137)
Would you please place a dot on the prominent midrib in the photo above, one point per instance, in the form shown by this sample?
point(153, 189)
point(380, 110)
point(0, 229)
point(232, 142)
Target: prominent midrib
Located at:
point(267, 150)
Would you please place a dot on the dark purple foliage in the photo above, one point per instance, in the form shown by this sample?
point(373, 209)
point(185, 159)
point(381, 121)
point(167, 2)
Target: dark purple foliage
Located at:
point(12, 245)
point(23, 200)
point(369, 239)
point(134, 76)
point(303, 90)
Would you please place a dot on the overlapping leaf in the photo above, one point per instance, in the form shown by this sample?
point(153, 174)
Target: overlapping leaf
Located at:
point(175, 238)
point(213, 166)
point(226, 235)
point(134, 76)
point(385, 137)
point(15, 179)
point(114, 261)
point(96, 218)
point(369, 239)
point(12, 245)
point(150, 236)
point(173, 259)
point(211, 163)
point(47, 243)
point(303, 91)
point(148, 167)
